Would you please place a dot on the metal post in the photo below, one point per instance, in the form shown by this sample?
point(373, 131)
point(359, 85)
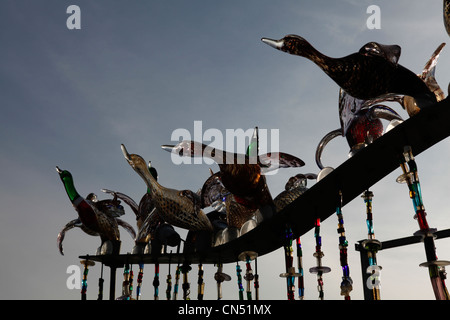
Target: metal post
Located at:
point(112, 283)
point(368, 293)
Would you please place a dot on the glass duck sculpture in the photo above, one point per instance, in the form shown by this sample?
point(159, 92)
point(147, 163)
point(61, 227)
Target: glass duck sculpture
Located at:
point(179, 208)
point(360, 123)
point(241, 174)
point(294, 188)
point(96, 218)
point(141, 210)
point(148, 221)
point(446, 12)
point(368, 74)
point(214, 194)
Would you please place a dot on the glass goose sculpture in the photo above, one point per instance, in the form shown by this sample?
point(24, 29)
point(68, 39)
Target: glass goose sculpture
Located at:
point(96, 218)
point(179, 208)
point(371, 72)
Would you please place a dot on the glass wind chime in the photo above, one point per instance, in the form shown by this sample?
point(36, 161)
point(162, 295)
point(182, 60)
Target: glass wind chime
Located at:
point(290, 273)
point(436, 267)
point(177, 281)
point(127, 284)
point(301, 284)
point(139, 281)
point(319, 269)
point(86, 264)
point(185, 268)
point(169, 284)
point(156, 282)
point(371, 245)
point(347, 282)
point(200, 282)
point(247, 256)
point(101, 281)
point(220, 277)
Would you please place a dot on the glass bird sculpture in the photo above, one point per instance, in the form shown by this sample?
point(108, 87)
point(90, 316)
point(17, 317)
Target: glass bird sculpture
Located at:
point(214, 194)
point(179, 208)
point(142, 211)
point(150, 225)
point(446, 12)
point(428, 77)
point(243, 175)
point(96, 218)
point(360, 123)
point(294, 188)
point(368, 74)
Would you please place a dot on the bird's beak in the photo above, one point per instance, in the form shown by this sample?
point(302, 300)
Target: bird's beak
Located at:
point(168, 147)
point(277, 44)
point(58, 169)
point(125, 153)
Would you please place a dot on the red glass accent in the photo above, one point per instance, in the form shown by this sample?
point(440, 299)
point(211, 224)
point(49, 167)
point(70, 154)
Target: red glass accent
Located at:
point(421, 218)
point(362, 129)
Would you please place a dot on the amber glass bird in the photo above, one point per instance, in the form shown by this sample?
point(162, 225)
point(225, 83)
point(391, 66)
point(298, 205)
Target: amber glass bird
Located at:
point(367, 74)
point(214, 194)
point(96, 219)
point(241, 174)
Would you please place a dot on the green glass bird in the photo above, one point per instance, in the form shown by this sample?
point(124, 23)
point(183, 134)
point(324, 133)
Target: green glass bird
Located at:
point(96, 218)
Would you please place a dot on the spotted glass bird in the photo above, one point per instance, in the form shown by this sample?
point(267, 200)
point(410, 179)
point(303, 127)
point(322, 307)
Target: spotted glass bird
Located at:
point(294, 188)
point(446, 13)
point(146, 225)
point(370, 73)
point(96, 219)
point(180, 208)
point(241, 174)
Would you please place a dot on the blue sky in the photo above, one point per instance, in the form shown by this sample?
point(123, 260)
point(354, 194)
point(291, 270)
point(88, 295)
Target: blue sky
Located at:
point(136, 71)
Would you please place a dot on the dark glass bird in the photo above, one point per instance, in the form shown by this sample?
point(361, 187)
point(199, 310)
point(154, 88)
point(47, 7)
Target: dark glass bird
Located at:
point(371, 72)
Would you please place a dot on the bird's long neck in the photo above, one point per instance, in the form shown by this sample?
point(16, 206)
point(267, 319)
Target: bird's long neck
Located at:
point(153, 187)
point(85, 211)
point(311, 53)
point(70, 188)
